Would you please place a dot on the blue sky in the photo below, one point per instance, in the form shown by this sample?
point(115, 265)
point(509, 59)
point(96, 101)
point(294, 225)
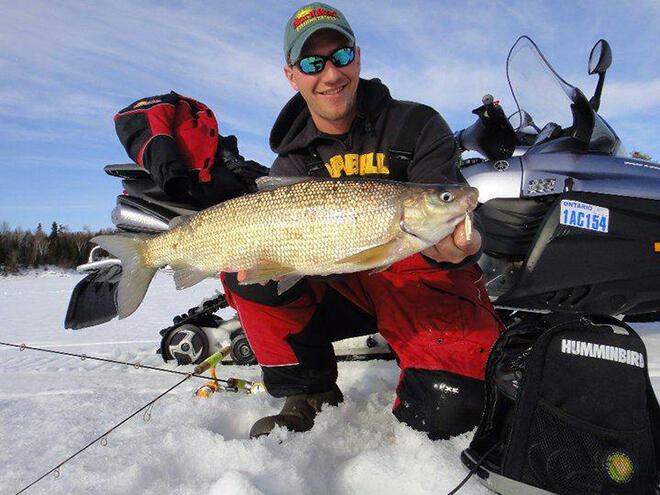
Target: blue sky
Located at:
point(68, 66)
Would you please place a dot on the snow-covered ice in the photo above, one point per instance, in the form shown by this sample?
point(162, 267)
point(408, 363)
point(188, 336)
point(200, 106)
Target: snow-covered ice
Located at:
point(51, 406)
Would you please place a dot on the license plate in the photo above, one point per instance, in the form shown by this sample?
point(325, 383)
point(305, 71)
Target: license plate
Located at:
point(584, 216)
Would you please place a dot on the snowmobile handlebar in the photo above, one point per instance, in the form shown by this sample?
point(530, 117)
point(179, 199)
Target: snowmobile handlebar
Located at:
point(492, 134)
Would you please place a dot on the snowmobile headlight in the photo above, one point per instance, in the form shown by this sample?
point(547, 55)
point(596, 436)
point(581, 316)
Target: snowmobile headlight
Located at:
point(540, 186)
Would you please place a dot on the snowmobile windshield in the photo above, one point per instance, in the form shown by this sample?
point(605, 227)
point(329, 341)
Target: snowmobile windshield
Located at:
point(537, 88)
point(543, 98)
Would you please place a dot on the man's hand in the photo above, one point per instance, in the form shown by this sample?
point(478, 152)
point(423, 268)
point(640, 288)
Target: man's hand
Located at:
point(455, 247)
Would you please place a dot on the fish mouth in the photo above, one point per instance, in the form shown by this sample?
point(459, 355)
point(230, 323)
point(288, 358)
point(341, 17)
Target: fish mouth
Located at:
point(453, 221)
point(469, 202)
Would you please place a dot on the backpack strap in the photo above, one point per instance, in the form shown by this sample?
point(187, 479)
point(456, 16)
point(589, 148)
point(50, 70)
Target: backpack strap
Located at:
point(314, 163)
point(402, 152)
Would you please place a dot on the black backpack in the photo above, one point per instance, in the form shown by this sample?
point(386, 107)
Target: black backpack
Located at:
point(569, 409)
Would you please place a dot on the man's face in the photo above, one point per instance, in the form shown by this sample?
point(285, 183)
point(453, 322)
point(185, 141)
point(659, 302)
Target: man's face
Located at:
point(330, 94)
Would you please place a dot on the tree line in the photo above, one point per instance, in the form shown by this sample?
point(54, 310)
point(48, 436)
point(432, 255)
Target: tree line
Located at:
point(20, 249)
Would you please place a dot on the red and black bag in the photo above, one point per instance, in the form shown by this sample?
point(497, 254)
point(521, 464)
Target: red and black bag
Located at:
point(176, 139)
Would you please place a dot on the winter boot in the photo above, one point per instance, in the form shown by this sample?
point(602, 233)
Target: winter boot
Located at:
point(298, 412)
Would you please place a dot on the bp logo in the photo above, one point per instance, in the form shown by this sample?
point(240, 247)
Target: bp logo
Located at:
point(619, 467)
point(501, 165)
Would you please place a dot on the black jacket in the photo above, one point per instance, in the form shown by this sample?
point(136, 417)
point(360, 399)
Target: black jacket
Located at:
point(374, 130)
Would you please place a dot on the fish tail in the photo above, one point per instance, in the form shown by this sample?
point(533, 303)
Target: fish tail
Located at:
point(136, 274)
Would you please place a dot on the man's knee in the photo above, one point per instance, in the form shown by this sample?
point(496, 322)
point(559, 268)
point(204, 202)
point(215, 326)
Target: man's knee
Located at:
point(283, 381)
point(440, 403)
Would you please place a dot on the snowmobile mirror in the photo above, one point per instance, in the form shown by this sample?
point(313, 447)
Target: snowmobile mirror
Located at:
point(600, 57)
point(600, 60)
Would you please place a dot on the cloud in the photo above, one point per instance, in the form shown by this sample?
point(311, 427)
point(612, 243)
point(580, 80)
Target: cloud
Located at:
point(78, 63)
point(57, 206)
point(626, 98)
point(82, 62)
point(68, 66)
point(637, 136)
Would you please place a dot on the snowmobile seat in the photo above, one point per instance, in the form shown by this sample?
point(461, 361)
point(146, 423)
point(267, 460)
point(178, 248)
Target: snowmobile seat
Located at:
point(146, 189)
point(138, 183)
point(127, 171)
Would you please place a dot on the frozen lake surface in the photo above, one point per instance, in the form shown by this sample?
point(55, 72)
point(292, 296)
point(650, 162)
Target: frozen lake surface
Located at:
point(51, 406)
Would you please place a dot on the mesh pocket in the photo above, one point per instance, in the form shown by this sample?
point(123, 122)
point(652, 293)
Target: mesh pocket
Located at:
point(569, 456)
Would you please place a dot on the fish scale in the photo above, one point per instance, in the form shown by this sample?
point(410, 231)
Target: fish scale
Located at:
point(305, 225)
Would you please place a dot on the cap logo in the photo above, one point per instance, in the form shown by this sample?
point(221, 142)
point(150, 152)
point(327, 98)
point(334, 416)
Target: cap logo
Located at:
point(146, 102)
point(306, 16)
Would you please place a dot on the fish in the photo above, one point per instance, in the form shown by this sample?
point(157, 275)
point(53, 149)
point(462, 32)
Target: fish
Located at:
point(290, 228)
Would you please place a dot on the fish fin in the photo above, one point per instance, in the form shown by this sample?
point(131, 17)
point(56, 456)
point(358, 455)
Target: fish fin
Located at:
point(268, 183)
point(379, 269)
point(287, 282)
point(265, 271)
point(187, 275)
point(180, 220)
point(378, 255)
point(136, 274)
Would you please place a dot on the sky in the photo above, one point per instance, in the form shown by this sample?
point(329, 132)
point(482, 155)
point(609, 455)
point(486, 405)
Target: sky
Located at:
point(68, 66)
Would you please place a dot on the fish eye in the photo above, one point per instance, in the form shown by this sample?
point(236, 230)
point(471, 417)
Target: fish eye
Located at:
point(447, 197)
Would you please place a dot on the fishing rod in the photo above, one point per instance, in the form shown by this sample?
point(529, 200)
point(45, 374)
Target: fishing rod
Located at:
point(136, 365)
point(214, 384)
point(103, 437)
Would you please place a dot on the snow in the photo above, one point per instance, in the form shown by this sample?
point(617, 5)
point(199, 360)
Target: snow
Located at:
point(51, 406)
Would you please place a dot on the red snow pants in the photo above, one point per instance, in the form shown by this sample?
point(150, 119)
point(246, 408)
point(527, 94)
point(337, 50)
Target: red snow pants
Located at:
point(440, 324)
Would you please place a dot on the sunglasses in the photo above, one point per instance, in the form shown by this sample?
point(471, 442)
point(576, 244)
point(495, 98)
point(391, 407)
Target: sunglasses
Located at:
point(315, 64)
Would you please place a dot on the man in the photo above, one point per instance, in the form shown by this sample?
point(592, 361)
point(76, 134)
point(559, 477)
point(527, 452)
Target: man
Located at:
point(432, 308)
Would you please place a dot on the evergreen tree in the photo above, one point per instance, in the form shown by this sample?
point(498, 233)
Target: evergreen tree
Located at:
point(53, 245)
point(641, 156)
point(11, 262)
point(53, 231)
point(23, 249)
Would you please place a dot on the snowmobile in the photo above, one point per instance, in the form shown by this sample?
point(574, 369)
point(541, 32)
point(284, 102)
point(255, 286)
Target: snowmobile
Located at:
point(570, 222)
point(198, 333)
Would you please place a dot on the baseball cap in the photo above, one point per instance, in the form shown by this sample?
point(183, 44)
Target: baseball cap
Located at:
point(309, 19)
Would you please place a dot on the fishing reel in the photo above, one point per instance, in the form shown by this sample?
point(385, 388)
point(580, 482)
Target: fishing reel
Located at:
point(230, 384)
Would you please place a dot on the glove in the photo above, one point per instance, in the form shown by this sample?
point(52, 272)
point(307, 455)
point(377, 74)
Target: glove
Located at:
point(180, 187)
point(228, 150)
point(245, 171)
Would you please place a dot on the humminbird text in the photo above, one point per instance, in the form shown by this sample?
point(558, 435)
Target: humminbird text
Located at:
point(602, 351)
